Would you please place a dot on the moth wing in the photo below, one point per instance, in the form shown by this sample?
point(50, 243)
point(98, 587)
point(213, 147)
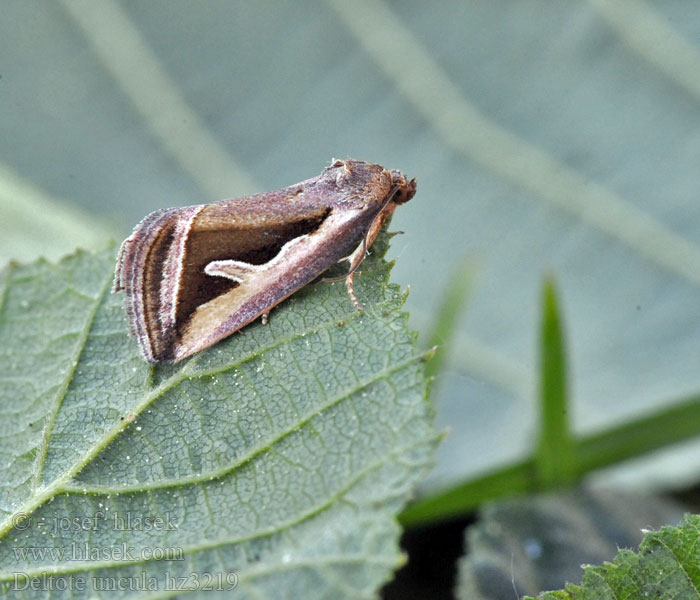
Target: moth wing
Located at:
point(161, 266)
point(255, 287)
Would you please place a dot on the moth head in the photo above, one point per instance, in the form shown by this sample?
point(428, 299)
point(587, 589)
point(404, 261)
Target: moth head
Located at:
point(405, 189)
point(358, 179)
point(366, 176)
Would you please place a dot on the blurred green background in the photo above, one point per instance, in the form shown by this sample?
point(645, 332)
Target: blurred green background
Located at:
point(547, 138)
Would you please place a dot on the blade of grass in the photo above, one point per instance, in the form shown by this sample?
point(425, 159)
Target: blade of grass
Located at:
point(673, 425)
point(678, 423)
point(466, 497)
point(554, 463)
point(560, 458)
point(444, 329)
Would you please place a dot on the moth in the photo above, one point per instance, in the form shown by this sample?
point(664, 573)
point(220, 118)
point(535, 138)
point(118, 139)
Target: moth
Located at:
point(195, 275)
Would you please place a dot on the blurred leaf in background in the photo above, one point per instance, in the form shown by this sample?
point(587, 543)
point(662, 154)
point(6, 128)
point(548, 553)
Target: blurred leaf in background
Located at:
point(558, 137)
point(530, 545)
point(34, 225)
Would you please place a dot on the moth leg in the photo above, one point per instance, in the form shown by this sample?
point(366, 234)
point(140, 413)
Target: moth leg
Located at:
point(355, 260)
point(351, 292)
point(358, 255)
point(264, 317)
point(360, 252)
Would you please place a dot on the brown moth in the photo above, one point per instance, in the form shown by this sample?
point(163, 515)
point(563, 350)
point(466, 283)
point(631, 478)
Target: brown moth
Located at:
point(194, 275)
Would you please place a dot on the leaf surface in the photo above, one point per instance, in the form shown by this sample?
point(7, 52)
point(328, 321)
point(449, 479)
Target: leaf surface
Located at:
point(666, 566)
point(281, 455)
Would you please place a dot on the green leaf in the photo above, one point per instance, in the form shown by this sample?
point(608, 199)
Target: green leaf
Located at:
point(521, 546)
point(666, 566)
point(281, 454)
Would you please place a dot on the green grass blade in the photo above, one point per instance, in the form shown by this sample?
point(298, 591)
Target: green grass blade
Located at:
point(553, 457)
point(603, 449)
point(451, 309)
point(669, 426)
point(464, 498)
